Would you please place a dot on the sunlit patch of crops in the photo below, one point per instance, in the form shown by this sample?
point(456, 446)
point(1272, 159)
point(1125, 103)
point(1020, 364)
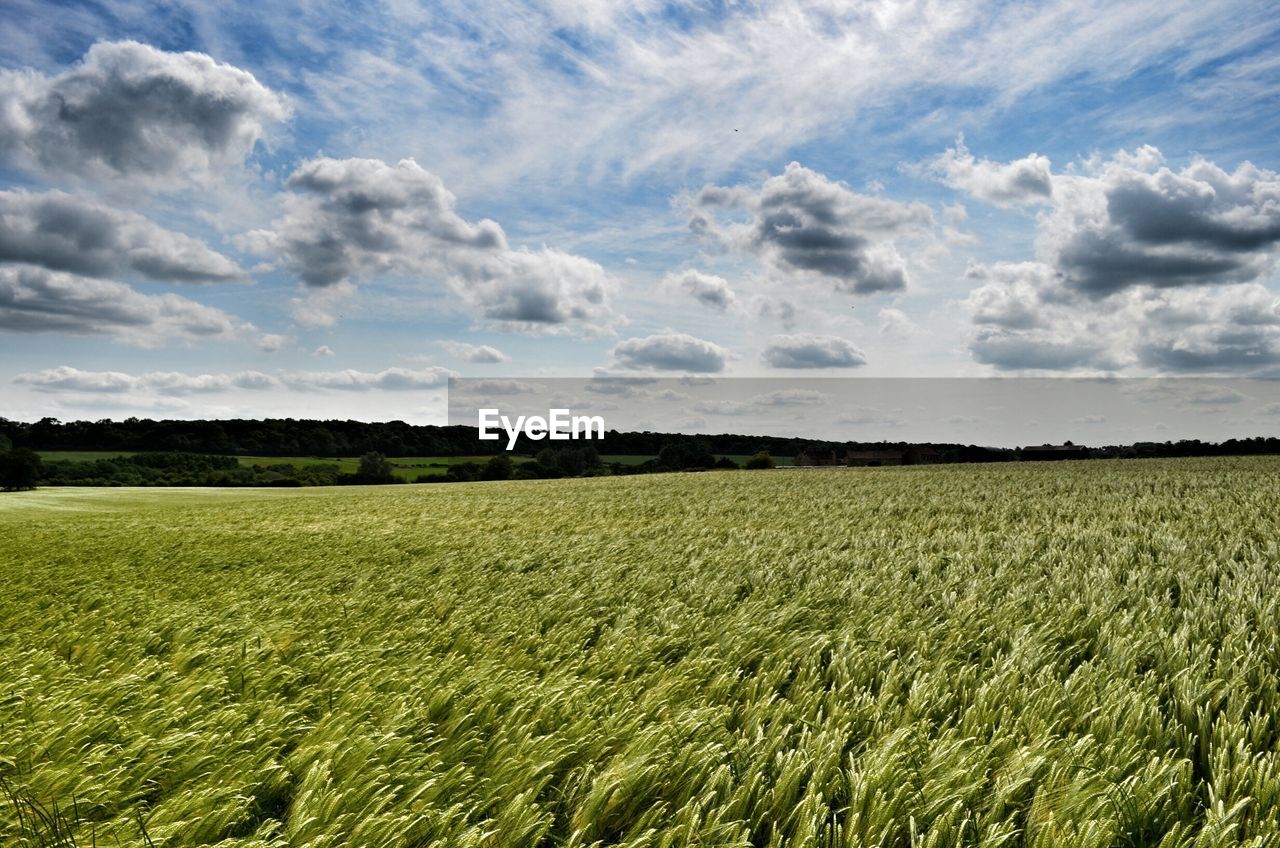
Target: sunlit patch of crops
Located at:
point(1071, 654)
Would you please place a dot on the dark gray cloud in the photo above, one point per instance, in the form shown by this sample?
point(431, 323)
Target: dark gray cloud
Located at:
point(1102, 263)
point(1132, 223)
point(811, 351)
point(65, 233)
point(802, 221)
point(129, 110)
point(1168, 208)
point(354, 216)
point(353, 219)
point(670, 352)
point(1140, 266)
point(36, 300)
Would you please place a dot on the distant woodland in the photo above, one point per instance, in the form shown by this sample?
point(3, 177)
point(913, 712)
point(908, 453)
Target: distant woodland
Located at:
point(201, 452)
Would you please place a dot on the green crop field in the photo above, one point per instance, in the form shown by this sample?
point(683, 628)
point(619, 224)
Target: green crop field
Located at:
point(1071, 654)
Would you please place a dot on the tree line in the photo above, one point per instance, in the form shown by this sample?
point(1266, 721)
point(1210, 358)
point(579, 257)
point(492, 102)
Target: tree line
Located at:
point(203, 452)
point(336, 438)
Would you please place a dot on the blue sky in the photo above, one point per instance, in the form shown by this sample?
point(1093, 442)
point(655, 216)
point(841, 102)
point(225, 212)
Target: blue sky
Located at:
point(249, 210)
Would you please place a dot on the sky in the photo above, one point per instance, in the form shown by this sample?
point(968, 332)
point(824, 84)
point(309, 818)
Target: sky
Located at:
point(329, 210)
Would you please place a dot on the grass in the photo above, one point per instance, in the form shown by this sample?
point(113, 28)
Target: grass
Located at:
point(1080, 654)
point(635, 459)
point(82, 456)
point(406, 467)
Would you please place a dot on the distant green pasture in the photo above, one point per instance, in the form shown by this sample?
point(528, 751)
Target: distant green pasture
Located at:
point(406, 467)
point(637, 459)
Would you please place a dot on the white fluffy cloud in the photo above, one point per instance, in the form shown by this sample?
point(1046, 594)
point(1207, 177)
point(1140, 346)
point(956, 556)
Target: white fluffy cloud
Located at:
point(812, 351)
point(479, 354)
point(352, 219)
point(36, 300)
point(67, 379)
point(1025, 320)
point(1133, 222)
point(63, 232)
point(801, 222)
point(64, 378)
point(1130, 221)
point(670, 352)
point(389, 379)
point(1139, 266)
point(130, 111)
point(271, 342)
point(1026, 180)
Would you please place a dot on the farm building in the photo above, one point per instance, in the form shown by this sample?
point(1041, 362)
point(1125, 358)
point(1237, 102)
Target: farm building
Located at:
point(875, 457)
point(811, 455)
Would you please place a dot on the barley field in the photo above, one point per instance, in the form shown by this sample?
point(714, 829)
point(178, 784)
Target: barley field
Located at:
point(1077, 654)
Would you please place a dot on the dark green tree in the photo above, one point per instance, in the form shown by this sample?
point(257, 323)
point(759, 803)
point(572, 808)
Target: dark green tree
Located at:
point(760, 461)
point(497, 468)
point(20, 469)
point(374, 468)
point(685, 455)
